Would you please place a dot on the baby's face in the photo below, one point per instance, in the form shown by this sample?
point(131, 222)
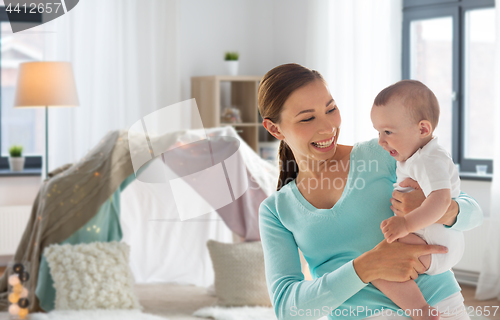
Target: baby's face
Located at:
point(398, 133)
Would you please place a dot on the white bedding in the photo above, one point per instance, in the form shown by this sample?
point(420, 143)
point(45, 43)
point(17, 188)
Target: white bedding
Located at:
point(163, 248)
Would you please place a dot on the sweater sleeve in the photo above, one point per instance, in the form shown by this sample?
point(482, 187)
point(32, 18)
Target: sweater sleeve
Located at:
point(470, 214)
point(293, 297)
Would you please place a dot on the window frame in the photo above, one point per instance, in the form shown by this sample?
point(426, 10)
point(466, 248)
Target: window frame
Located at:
point(31, 162)
point(456, 9)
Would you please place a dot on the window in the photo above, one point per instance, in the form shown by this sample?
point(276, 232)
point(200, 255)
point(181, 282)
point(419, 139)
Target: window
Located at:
point(19, 126)
point(449, 46)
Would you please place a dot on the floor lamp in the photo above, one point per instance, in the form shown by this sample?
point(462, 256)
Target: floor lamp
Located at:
point(45, 84)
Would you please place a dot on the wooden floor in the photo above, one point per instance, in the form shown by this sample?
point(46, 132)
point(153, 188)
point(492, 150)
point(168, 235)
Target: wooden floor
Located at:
point(468, 293)
point(482, 306)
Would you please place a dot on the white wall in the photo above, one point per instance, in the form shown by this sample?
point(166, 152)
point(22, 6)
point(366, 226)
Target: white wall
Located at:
point(289, 32)
point(475, 240)
point(15, 191)
point(479, 190)
point(265, 33)
point(209, 28)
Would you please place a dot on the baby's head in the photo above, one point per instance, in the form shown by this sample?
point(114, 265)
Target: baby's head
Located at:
point(405, 114)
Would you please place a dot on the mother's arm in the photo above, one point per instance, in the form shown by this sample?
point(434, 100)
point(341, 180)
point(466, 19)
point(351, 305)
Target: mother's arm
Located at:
point(290, 294)
point(292, 297)
point(463, 214)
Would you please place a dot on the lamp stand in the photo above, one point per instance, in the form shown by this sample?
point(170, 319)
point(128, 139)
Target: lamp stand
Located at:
point(46, 142)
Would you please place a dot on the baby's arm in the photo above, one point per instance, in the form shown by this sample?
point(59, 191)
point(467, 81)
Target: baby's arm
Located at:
point(431, 210)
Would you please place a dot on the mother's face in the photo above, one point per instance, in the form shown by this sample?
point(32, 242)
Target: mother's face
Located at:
point(310, 122)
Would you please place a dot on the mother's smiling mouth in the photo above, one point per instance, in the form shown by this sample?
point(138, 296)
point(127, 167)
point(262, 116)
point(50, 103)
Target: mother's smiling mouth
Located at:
point(324, 143)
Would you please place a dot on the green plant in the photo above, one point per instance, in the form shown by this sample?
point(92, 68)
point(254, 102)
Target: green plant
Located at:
point(16, 151)
point(231, 56)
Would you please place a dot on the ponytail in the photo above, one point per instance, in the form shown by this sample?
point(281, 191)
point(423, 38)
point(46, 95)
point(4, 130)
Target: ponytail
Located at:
point(286, 160)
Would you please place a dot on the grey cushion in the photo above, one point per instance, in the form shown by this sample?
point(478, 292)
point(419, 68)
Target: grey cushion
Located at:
point(240, 278)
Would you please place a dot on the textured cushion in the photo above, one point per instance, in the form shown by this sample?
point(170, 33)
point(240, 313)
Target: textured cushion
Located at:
point(240, 278)
point(92, 276)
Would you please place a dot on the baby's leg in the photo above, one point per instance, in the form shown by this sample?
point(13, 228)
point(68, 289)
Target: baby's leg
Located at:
point(407, 295)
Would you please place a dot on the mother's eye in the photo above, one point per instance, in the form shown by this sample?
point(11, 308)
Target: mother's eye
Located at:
point(311, 118)
point(387, 132)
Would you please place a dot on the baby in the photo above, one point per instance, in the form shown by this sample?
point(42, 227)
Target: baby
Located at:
point(405, 114)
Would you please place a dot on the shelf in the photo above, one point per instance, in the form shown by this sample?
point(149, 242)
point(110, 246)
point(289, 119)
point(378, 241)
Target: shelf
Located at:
point(475, 176)
point(26, 172)
point(217, 92)
point(249, 135)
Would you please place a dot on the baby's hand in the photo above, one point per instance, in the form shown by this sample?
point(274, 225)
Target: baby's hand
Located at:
point(394, 228)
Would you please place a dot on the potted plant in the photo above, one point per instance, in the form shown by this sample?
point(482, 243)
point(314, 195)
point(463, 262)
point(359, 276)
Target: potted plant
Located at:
point(16, 160)
point(231, 59)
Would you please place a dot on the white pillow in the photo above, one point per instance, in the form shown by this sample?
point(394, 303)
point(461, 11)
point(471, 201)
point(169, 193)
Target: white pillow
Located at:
point(240, 278)
point(92, 276)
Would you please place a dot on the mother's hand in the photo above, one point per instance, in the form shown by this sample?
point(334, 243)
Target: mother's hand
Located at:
point(404, 203)
point(395, 261)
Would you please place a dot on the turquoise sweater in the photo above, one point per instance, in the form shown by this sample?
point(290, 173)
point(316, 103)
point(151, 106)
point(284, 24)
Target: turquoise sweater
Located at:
point(331, 238)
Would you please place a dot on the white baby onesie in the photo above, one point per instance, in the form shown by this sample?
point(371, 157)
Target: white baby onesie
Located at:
point(432, 167)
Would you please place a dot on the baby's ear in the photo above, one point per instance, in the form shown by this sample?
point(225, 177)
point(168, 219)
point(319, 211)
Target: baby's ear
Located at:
point(425, 127)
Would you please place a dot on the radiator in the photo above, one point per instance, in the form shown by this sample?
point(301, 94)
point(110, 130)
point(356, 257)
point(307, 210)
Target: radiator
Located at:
point(13, 220)
point(467, 277)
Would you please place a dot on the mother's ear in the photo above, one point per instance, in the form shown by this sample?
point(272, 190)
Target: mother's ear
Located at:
point(273, 129)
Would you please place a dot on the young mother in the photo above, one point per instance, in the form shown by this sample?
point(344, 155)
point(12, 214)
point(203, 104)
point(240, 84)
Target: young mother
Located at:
point(330, 202)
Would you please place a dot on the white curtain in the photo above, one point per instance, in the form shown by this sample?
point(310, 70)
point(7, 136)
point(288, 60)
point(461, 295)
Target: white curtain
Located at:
point(125, 59)
point(356, 45)
point(489, 279)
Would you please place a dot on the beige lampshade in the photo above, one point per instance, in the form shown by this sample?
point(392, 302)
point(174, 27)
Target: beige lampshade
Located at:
point(41, 84)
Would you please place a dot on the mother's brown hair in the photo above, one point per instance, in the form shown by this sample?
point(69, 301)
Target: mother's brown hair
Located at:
point(274, 89)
